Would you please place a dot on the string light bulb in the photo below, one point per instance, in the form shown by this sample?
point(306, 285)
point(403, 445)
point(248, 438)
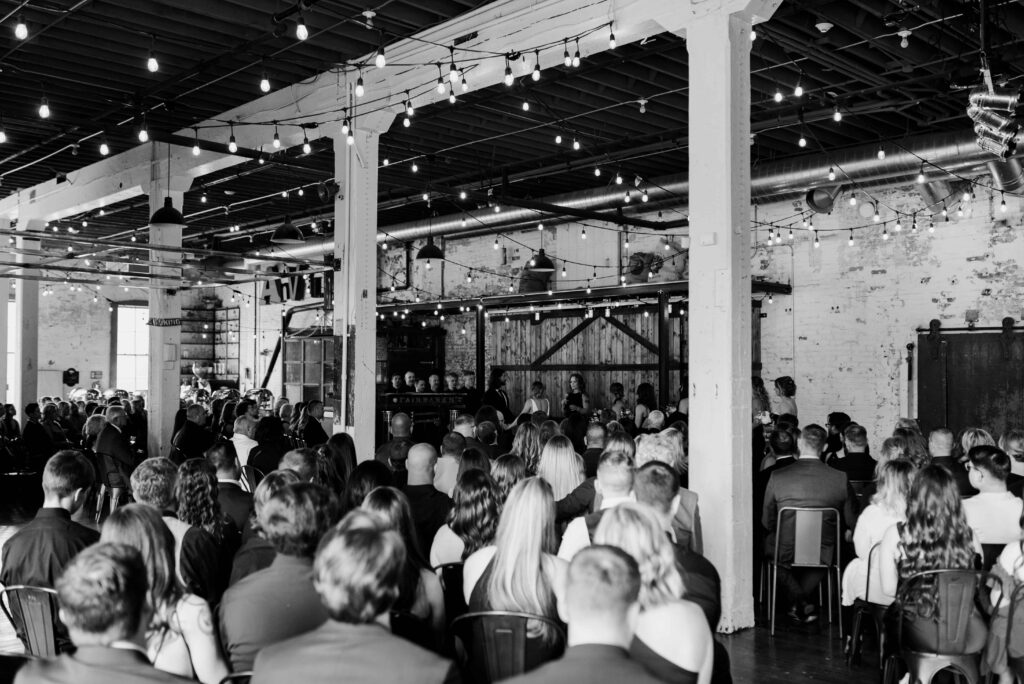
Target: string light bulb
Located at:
point(277, 139)
point(152, 64)
point(143, 131)
point(802, 142)
point(611, 38)
point(885, 233)
point(306, 147)
point(232, 144)
point(360, 88)
point(563, 271)
point(440, 80)
point(798, 91)
point(104, 147)
point(453, 71)
point(1002, 203)
point(853, 200)
point(831, 174)
point(3, 134)
point(920, 175)
point(576, 56)
point(451, 96)
point(380, 60)
point(526, 105)
point(509, 79)
point(566, 59)
point(496, 245)
point(931, 226)
point(850, 241)
point(881, 152)
point(837, 115)
point(345, 124)
point(618, 178)
point(575, 144)
point(876, 218)
point(409, 111)
point(301, 31)
point(583, 233)
point(778, 95)
point(44, 108)
point(536, 66)
point(465, 86)
point(21, 29)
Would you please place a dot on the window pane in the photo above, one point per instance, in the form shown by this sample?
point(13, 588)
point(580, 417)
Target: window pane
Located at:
point(293, 372)
point(132, 348)
point(293, 350)
point(311, 373)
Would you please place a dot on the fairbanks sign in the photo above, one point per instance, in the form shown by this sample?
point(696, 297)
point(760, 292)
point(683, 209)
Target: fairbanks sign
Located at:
point(164, 322)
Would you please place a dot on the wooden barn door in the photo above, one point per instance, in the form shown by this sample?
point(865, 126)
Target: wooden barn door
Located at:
point(971, 380)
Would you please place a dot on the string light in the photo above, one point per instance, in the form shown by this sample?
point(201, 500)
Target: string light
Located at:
point(277, 138)
point(920, 175)
point(802, 142)
point(881, 152)
point(509, 79)
point(536, 65)
point(831, 174)
point(306, 147)
point(360, 88)
point(415, 167)
point(611, 38)
point(850, 241)
point(566, 59)
point(897, 227)
point(496, 245)
point(44, 108)
point(380, 60)
point(885, 233)
point(440, 80)
point(876, 218)
point(576, 56)
point(3, 134)
point(583, 234)
point(816, 242)
point(453, 71)
point(798, 91)
point(232, 145)
point(597, 170)
point(1002, 203)
point(575, 144)
point(143, 130)
point(301, 32)
point(526, 105)
point(778, 95)
point(945, 212)
point(21, 29)
point(264, 82)
point(931, 226)
point(465, 86)
point(151, 63)
point(837, 115)
point(853, 200)
point(104, 147)
point(618, 178)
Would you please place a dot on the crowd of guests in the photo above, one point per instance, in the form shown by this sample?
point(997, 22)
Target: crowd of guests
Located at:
point(330, 566)
point(921, 503)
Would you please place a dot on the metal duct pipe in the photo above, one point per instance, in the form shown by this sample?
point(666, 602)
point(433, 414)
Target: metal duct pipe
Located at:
point(933, 193)
point(953, 151)
point(1007, 175)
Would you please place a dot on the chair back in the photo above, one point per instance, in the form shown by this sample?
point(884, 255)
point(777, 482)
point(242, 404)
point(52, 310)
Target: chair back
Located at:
point(413, 628)
point(33, 613)
point(494, 643)
point(955, 596)
point(249, 477)
point(872, 566)
point(1015, 626)
point(237, 678)
point(990, 554)
point(810, 533)
point(9, 666)
point(451, 584)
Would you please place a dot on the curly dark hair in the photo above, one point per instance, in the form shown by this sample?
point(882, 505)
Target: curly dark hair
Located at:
point(645, 395)
point(936, 535)
point(476, 510)
point(393, 506)
point(196, 493)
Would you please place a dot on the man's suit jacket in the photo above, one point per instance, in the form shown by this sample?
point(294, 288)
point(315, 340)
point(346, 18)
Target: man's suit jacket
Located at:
point(37, 441)
point(352, 653)
point(95, 665)
point(193, 441)
point(235, 502)
point(113, 447)
point(589, 663)
point(807, 483)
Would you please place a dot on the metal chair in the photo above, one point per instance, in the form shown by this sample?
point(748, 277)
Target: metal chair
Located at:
point(875, 611)
point(32, 611)
point(809, 527)
point(1015, 662)
point(957, 594)
point(249, 477)
point(107, 489)
point(451, 583)
point(237, 678)
point(494, 643)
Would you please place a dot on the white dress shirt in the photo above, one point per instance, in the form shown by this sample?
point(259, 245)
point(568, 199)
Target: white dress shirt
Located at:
point(577, 536)
point(994, 517)
point(243, 445)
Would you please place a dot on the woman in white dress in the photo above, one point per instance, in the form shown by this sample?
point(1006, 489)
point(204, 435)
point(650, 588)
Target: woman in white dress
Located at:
point(537, 400)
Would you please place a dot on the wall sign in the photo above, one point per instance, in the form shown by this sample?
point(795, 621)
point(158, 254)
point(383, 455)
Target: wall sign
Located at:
point(164, 322)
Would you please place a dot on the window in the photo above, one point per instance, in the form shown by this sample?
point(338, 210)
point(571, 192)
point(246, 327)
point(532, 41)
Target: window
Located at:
point(12, 358)
point(132, 348)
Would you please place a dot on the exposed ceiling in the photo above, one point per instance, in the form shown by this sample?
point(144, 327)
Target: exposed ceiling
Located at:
point(626, 107)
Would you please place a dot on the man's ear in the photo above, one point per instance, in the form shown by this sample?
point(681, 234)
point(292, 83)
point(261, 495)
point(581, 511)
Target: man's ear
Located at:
point(677, 500)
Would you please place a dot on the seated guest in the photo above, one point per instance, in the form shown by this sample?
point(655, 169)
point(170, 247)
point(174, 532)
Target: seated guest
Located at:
point(270, 444)
point(199, 506)
point(487, 434)
point(940, 447)
point(103, 602)
point(429, 507)
point(465, 425)
point(310, 429)
point(302, 461)
point(673, 640)
point(367, 476)
point(91, 432)
point(358, 574)
point(603, 608)
point(226, 423)
point(194, 439)
point(806, 483)
point(10, 428)
point(37, 553)
point(473, 459)
point(993, 513)
point(507, 472)
point(234, 501)
point(687, 520)
point(247, 408)
point(279, 602)
point(115, 451)
point(243, 438)
point(520, 572)
point(526, 446)
point(594, 441)
point(179, 639)
point(836, 424)
point(400, 442)
point(561, 466)
point(446, 469)
point(51, 423)
point(196, 557)
point(972, 437)
point(472, 522)
point(655, 422)
point(888, 507)
point(853, 459)
point(256, 552)
point(342, 451)
point(1012, 442)
point(326, 475)
point(615, 480)
point(1009, 568)
point(419, 591)
point(583, 499)
point(657, 485)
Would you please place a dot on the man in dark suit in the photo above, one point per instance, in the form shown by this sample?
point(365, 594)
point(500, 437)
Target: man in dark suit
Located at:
point(807, 483)
point(940, 448)
point(356, 574)
point(34, 436)
point(102, 596)
point(234, 501)
point(193, 439)
point(601, 608)
point(487, 434)
point(400, 442)
point(113, 447)
point(313, 432)
point(465, 425)
point(279, 602)
point(854, 459)
point(594, 440)
point(429, 507)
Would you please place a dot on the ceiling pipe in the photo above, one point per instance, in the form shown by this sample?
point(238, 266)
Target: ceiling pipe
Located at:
point(955, 152)
point(933, 193)
point(1007, 175)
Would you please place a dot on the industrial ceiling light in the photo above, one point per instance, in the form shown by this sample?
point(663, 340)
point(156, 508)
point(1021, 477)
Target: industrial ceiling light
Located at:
point(541, 263)
point(430, 251)
point(167, 216)
point(287, 234)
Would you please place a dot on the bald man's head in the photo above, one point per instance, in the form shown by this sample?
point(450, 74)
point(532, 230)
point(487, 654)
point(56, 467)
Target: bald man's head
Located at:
point(401, 425)
point(420, 463)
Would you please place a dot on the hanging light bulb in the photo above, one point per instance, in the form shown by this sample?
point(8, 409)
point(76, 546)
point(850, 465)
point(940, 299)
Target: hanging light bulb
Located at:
point(21, 29)
point(611, 38)
point(469, 276)
point(643, 195)
point(576, 56)
point(558, 138)
point(853, 200)
point(831, 174)
point(345, 124)
point(536, 65)
point(509, 79)
point(306, 147)
point(301, 32)
point(44, 108)
point(837, 115)
point(152, 64)
point(913, 226)
point(202, 198)
point(1002, 203)
point(618, 178)
point(453, 71)
point(406, 122)
point(850, 241)
point(876, 218)
point(540, 226)
point(967, 196)
point(881, 152)
point(563, 271)
point(799, 90)
point(465, 86)
point(575, 144)
point(626, 197)
point(143, 131)
point(945, 212)
point(566, 59)
point(597, 170)
point(583, 234)
point(526, 105)
point(409, 111)
point(360, 88)
point(415, 167)
point(898, 226)
point(817, 243)
point(885, 233)
point(104, 147)
point(496, 245)
point(778, 95)
point(588, 287)
point(790, 236)
point(802, 142)
point(380, 60)
point(920, 176)
point(277, 139)
point(232, 145)
point(626, 243)
point(350, 139)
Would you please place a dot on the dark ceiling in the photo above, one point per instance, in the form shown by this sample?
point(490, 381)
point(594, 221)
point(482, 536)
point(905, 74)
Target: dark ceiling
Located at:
point(89, 57)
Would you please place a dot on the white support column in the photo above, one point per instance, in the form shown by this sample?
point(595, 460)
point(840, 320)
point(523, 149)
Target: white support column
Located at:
point(720, 345)
point(5, 372)
point(355, 287)
point(26, 336)
point(164, 338)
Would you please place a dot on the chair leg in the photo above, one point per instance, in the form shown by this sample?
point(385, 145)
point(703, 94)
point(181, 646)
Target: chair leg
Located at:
point(99, 503)
point(854, 653)
point(772, 594)
point(839, 600)
point(115, 498)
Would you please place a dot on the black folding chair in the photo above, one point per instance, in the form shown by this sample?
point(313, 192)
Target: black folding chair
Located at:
point(237, 678)
point(875, 611)
point(32, 611)
point(451, 584)
point(493, 644)
point(249, 477)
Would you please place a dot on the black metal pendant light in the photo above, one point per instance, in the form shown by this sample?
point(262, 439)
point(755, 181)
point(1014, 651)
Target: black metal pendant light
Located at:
point(541, 263)
point(287, 234)
point(430, 250)
point(167, 216)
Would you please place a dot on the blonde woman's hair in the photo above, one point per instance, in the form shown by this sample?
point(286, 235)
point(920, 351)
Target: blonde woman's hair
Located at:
point(894, 478)
point(561, 466)
point(526, 535)
point(972, 437)
point(636, 529)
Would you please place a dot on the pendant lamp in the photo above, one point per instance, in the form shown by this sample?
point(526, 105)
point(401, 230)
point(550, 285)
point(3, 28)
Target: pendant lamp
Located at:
point(287, 234)
point(541, 263)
